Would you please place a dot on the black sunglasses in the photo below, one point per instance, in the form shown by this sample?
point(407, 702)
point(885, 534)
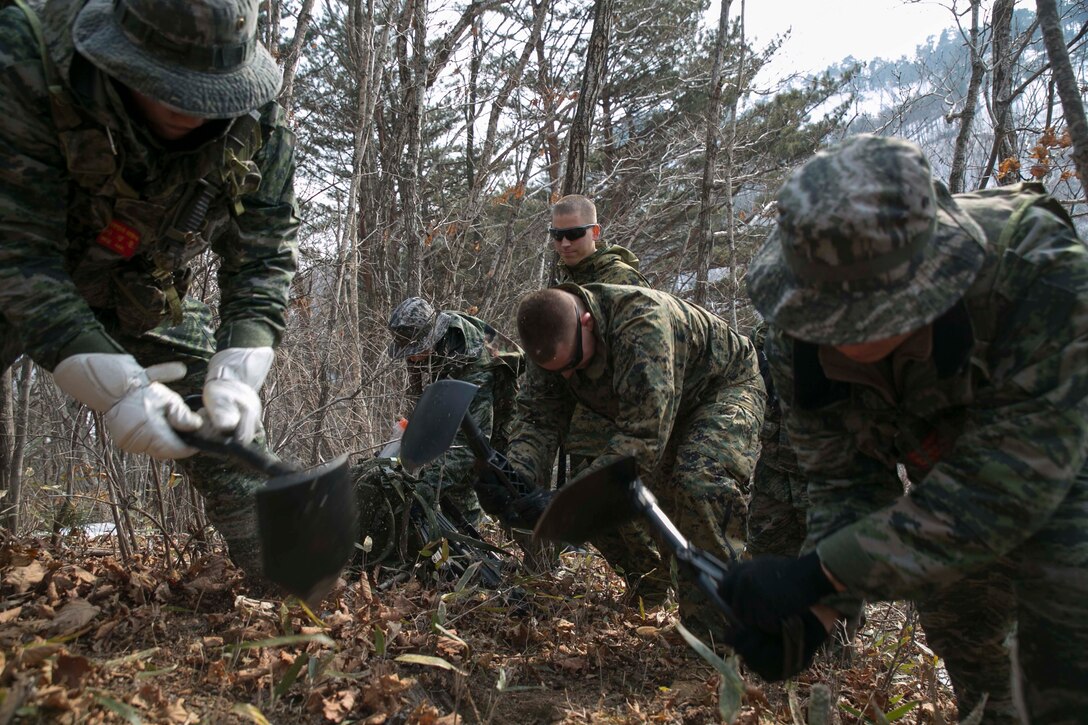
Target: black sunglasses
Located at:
point(575, 359)
point(571, 233)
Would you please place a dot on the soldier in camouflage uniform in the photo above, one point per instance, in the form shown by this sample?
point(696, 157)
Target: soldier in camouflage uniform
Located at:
point(576, 233)
point(949, 334)
point(681, 390)
point(137, 134)
point(776, 509)
point(448, 344)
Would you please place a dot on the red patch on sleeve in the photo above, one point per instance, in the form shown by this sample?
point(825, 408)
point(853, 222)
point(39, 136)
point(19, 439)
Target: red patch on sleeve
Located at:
point(120, 238)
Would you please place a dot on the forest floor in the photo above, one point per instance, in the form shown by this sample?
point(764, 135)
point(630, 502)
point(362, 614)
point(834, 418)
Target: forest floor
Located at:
point(87, 638)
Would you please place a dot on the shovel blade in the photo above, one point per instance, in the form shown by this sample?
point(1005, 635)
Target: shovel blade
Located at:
point(434, 422)
point(308, 524)
point(591, 505)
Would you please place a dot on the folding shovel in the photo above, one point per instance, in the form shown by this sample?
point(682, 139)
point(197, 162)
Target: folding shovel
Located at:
point(434, 422)
point(307, 520)
point(613, 496)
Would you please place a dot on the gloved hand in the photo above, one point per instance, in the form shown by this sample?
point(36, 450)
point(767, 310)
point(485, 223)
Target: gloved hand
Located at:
point(787, 652)
point(230, 390)
point(766, 590)
point(491, 491)
point(524, 511)
point(140, 412)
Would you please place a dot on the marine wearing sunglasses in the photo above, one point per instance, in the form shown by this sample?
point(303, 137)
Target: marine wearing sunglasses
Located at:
point(574, 240)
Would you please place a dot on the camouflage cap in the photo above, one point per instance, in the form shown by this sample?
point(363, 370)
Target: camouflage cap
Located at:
point(867, 246)
point(416, 328)
point(200, 57)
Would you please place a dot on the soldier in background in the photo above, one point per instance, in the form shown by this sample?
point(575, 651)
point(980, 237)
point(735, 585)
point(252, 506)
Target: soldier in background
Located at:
point(682, 393)
point(776, 509)
point(448, 344)
point(136, 135)
point(949, 334)
point(575, 232)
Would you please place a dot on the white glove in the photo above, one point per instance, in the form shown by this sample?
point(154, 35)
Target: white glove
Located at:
point(230, 390)
point(140, 412)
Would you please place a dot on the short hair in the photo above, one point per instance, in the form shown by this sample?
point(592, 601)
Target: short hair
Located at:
point(544, 319)
point(576, 204)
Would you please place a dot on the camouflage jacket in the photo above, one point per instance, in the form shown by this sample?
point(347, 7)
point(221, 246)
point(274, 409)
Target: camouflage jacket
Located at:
point(657, 358)
point(474, 352)
point(608, 265)
point(91, 203)
point(986, 407)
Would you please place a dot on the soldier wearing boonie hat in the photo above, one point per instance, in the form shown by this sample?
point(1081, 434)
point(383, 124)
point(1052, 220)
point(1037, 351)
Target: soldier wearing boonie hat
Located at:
point(447, 344)
point(948, 334)
point(136, 135)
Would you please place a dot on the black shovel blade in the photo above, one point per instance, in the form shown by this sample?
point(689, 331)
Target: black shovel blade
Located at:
point(591, 505)
point(434, 422)
point(308, 524)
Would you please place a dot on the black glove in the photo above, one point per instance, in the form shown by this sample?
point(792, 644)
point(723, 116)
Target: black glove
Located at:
point(492, 492)
point(765, 591)
point(785, 653)
point(524, 511)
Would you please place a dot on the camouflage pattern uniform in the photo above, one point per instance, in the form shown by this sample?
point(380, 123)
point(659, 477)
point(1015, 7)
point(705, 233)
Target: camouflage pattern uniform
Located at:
point(684, 396)
point(776, 509)
point(609, 265)
point(89, 256)
point(986, 404)
point(464, 348)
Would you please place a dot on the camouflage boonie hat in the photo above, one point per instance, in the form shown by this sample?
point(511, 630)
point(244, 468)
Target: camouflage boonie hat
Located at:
point(867, 246)
point(200, 57)
point(416, 328)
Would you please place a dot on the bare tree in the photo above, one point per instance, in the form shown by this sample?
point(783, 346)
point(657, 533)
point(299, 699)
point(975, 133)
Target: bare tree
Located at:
point(966, 116)
point(1066, 81)
point(704, 238)
point(574, 178)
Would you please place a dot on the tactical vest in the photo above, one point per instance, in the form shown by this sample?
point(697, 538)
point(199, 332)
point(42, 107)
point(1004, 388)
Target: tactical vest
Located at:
point(129, 249)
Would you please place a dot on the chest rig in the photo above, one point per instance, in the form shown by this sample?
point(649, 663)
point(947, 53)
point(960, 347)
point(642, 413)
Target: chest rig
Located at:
point(130, 240)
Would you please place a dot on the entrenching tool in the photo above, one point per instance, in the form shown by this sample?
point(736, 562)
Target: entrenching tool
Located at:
point(434, 422)
point(613, 496)
point(307, 519)
point(441, 411)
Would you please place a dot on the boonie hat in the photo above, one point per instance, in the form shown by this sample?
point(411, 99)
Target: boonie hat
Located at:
point(199, 57)
point(868, 246)
point(416, 328)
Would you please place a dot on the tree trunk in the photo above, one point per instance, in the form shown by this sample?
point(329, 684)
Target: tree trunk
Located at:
point(414, 69)
point(574, 180)
point(1066, 80)
point(970, 106)
point(704, 242)
point(1001, 96)
point(9, 506)
point(293, 55)
point(18, 451)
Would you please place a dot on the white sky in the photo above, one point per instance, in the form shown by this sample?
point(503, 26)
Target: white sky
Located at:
point(825, 32)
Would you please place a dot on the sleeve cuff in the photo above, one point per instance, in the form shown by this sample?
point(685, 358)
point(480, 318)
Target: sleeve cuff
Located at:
point(847, 561)
point(246, 333)
point(88, 342)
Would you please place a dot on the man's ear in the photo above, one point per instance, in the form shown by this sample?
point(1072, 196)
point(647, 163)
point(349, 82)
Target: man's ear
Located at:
point(596, 231)
point(587, 320)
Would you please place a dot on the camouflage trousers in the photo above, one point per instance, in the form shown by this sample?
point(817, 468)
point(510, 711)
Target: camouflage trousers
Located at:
point(227, 490)
point(776, 511)
point(701, 485)
point(1015, 631)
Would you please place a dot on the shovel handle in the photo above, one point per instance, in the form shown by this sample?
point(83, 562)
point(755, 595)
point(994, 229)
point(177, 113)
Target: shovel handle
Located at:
point(247, 454)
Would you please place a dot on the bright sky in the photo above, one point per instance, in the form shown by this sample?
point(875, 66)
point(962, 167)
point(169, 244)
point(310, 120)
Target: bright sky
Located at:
point(825, 32)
